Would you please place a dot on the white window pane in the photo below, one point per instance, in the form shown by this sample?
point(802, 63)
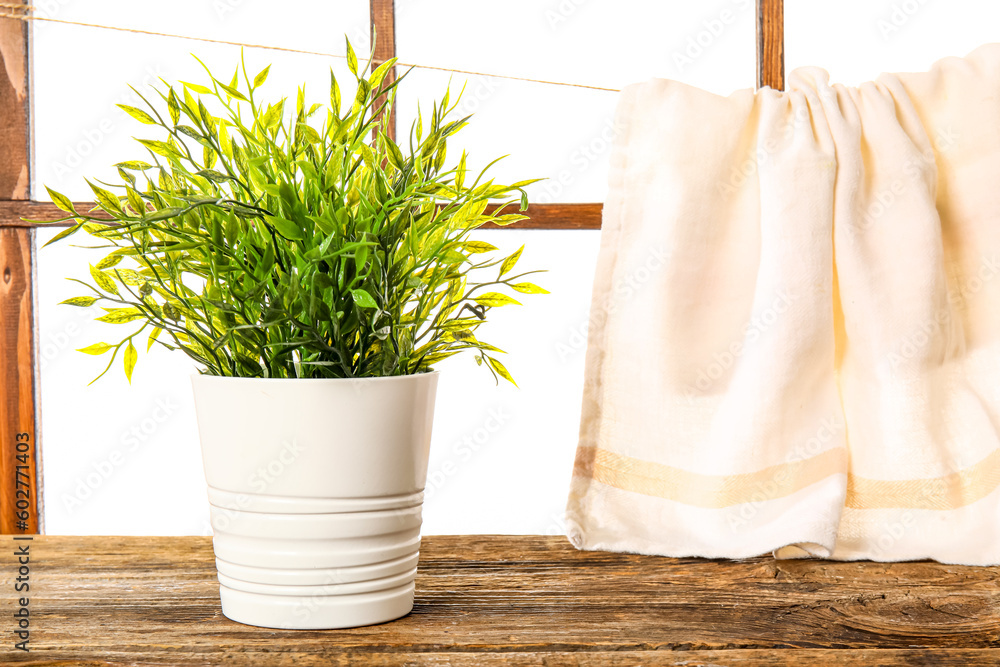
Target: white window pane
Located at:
point(556, 132)
point(81, 73)
point(856, 40)
point(502, 457)
point(116, 459)
point(306, 25)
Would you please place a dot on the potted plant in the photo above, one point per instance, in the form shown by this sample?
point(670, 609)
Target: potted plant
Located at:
point(315, 271)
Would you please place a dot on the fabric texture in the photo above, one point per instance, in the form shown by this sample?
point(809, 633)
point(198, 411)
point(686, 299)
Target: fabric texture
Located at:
point(794, 343)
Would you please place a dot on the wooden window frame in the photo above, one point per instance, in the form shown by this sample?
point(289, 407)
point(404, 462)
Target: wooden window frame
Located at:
point(19, 404)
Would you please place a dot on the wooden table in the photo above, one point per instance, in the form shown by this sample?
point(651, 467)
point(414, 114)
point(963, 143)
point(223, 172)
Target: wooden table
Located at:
point(494, 600)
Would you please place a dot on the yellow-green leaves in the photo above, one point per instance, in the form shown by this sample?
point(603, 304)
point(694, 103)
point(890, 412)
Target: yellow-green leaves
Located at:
point(121, 315)
point(196, 87)
point(134, 165)
point(81, 301)
point(160, 148)
point(138, 114)
point(108, 261)
point(334, 95)
point(474, 247)
point(96, 348)
point(154, 334)
point(495, 299)
point(108, 201)
point(395, 155)
point(352, 59)
point(460, 171)
point(232, 92)
point(259, 80)
point(509, 263)
point(129, 277)
point(528, 288)
point(173, 107)
point(460, 323)
point(225, 142)
point(69, 231)
point(103, 280)
point(135, 200)
point(269, 241)
point(61, 201)
point(130, 357)
point(273, 115)
point(380, 73)
point(171, 311)
point(500, 370)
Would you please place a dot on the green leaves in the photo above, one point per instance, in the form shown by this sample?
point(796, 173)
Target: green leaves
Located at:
point(261, 243)
point(285, 227)
point(363, 298)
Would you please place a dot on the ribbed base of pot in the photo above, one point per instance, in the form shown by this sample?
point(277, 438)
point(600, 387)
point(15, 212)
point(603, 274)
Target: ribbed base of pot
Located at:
point(315, 563)
point(316, 612)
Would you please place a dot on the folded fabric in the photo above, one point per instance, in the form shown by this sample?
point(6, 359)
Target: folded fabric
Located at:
point(794, 340)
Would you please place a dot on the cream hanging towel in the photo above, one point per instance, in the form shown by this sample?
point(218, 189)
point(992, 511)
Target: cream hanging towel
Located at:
point(795, 332)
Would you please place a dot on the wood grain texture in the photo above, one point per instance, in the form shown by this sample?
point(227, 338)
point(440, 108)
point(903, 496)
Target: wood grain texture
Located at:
point(771, 44)
point(15, 135)
point(541, 216)
point(501, 600)
point(19, 482)
point(557, 216)
point(17, 382)
point(383, 20)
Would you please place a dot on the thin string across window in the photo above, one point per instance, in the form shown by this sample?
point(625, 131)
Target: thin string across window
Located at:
point(23, 13)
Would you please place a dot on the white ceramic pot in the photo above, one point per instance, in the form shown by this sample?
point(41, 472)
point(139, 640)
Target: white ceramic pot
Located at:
point(315, 490)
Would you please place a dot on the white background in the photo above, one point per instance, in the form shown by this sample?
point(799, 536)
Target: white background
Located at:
point(125, 460)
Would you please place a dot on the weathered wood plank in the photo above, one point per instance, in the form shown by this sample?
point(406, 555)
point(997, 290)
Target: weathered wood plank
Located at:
point(15, 135)
point(523, 601)
point(383, 22)
point(18, 452)
point(18, 447)
point(541, 216)
point(730, 658)
point(771, 44)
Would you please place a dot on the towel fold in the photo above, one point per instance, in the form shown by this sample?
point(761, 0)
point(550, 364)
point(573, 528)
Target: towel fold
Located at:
point(795, 333)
